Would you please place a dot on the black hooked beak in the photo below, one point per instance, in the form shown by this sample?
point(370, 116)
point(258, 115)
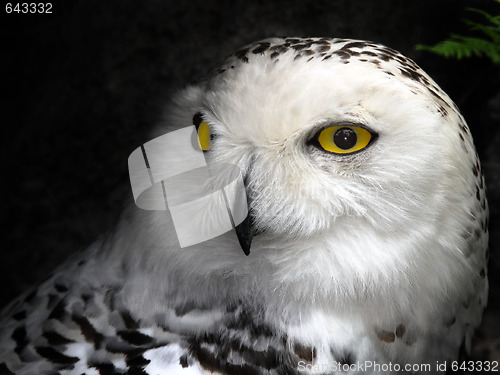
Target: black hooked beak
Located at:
point(244, 232)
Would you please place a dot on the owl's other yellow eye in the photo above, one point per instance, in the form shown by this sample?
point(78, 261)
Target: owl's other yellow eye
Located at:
point(204, 132)
point(344, 139)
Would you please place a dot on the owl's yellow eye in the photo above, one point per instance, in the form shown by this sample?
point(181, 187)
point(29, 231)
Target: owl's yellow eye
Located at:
point(344, 139)
point(204, 132)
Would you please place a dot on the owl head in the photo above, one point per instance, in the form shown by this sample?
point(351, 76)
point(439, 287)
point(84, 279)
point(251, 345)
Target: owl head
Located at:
point(332, 135)
point(357, 169)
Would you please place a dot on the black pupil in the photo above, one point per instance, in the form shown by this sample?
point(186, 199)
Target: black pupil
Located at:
point(345, 138)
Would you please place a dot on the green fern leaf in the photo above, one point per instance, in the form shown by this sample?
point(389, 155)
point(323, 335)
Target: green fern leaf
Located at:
point(490, 31)
point(459, 47)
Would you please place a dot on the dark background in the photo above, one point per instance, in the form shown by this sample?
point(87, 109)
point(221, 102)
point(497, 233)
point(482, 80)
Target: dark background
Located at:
point(83, 86)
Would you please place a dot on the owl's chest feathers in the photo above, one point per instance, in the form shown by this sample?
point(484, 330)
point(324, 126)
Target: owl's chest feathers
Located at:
point(369, 276)
point(324, 296)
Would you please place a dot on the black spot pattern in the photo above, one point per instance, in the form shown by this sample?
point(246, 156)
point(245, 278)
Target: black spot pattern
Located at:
point(183, 361)
point(306, 353)
point(343, 51)
point(61, 288)
point(65, 326)
point(261, 48)
point(58, 312)
point(213, 352)
point(20, 337)
point(21, 315)
point(54, 338)
point(130, 322)
point(135, 337)
point(54, 356)
point(104, 368)
point(137, 361)
point(88, 330)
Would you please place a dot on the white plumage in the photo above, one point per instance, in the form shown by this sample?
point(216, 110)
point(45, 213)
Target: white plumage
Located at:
point(376, 255)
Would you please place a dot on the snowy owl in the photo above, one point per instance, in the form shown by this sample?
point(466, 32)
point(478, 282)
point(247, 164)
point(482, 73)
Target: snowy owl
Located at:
point(364, 238)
